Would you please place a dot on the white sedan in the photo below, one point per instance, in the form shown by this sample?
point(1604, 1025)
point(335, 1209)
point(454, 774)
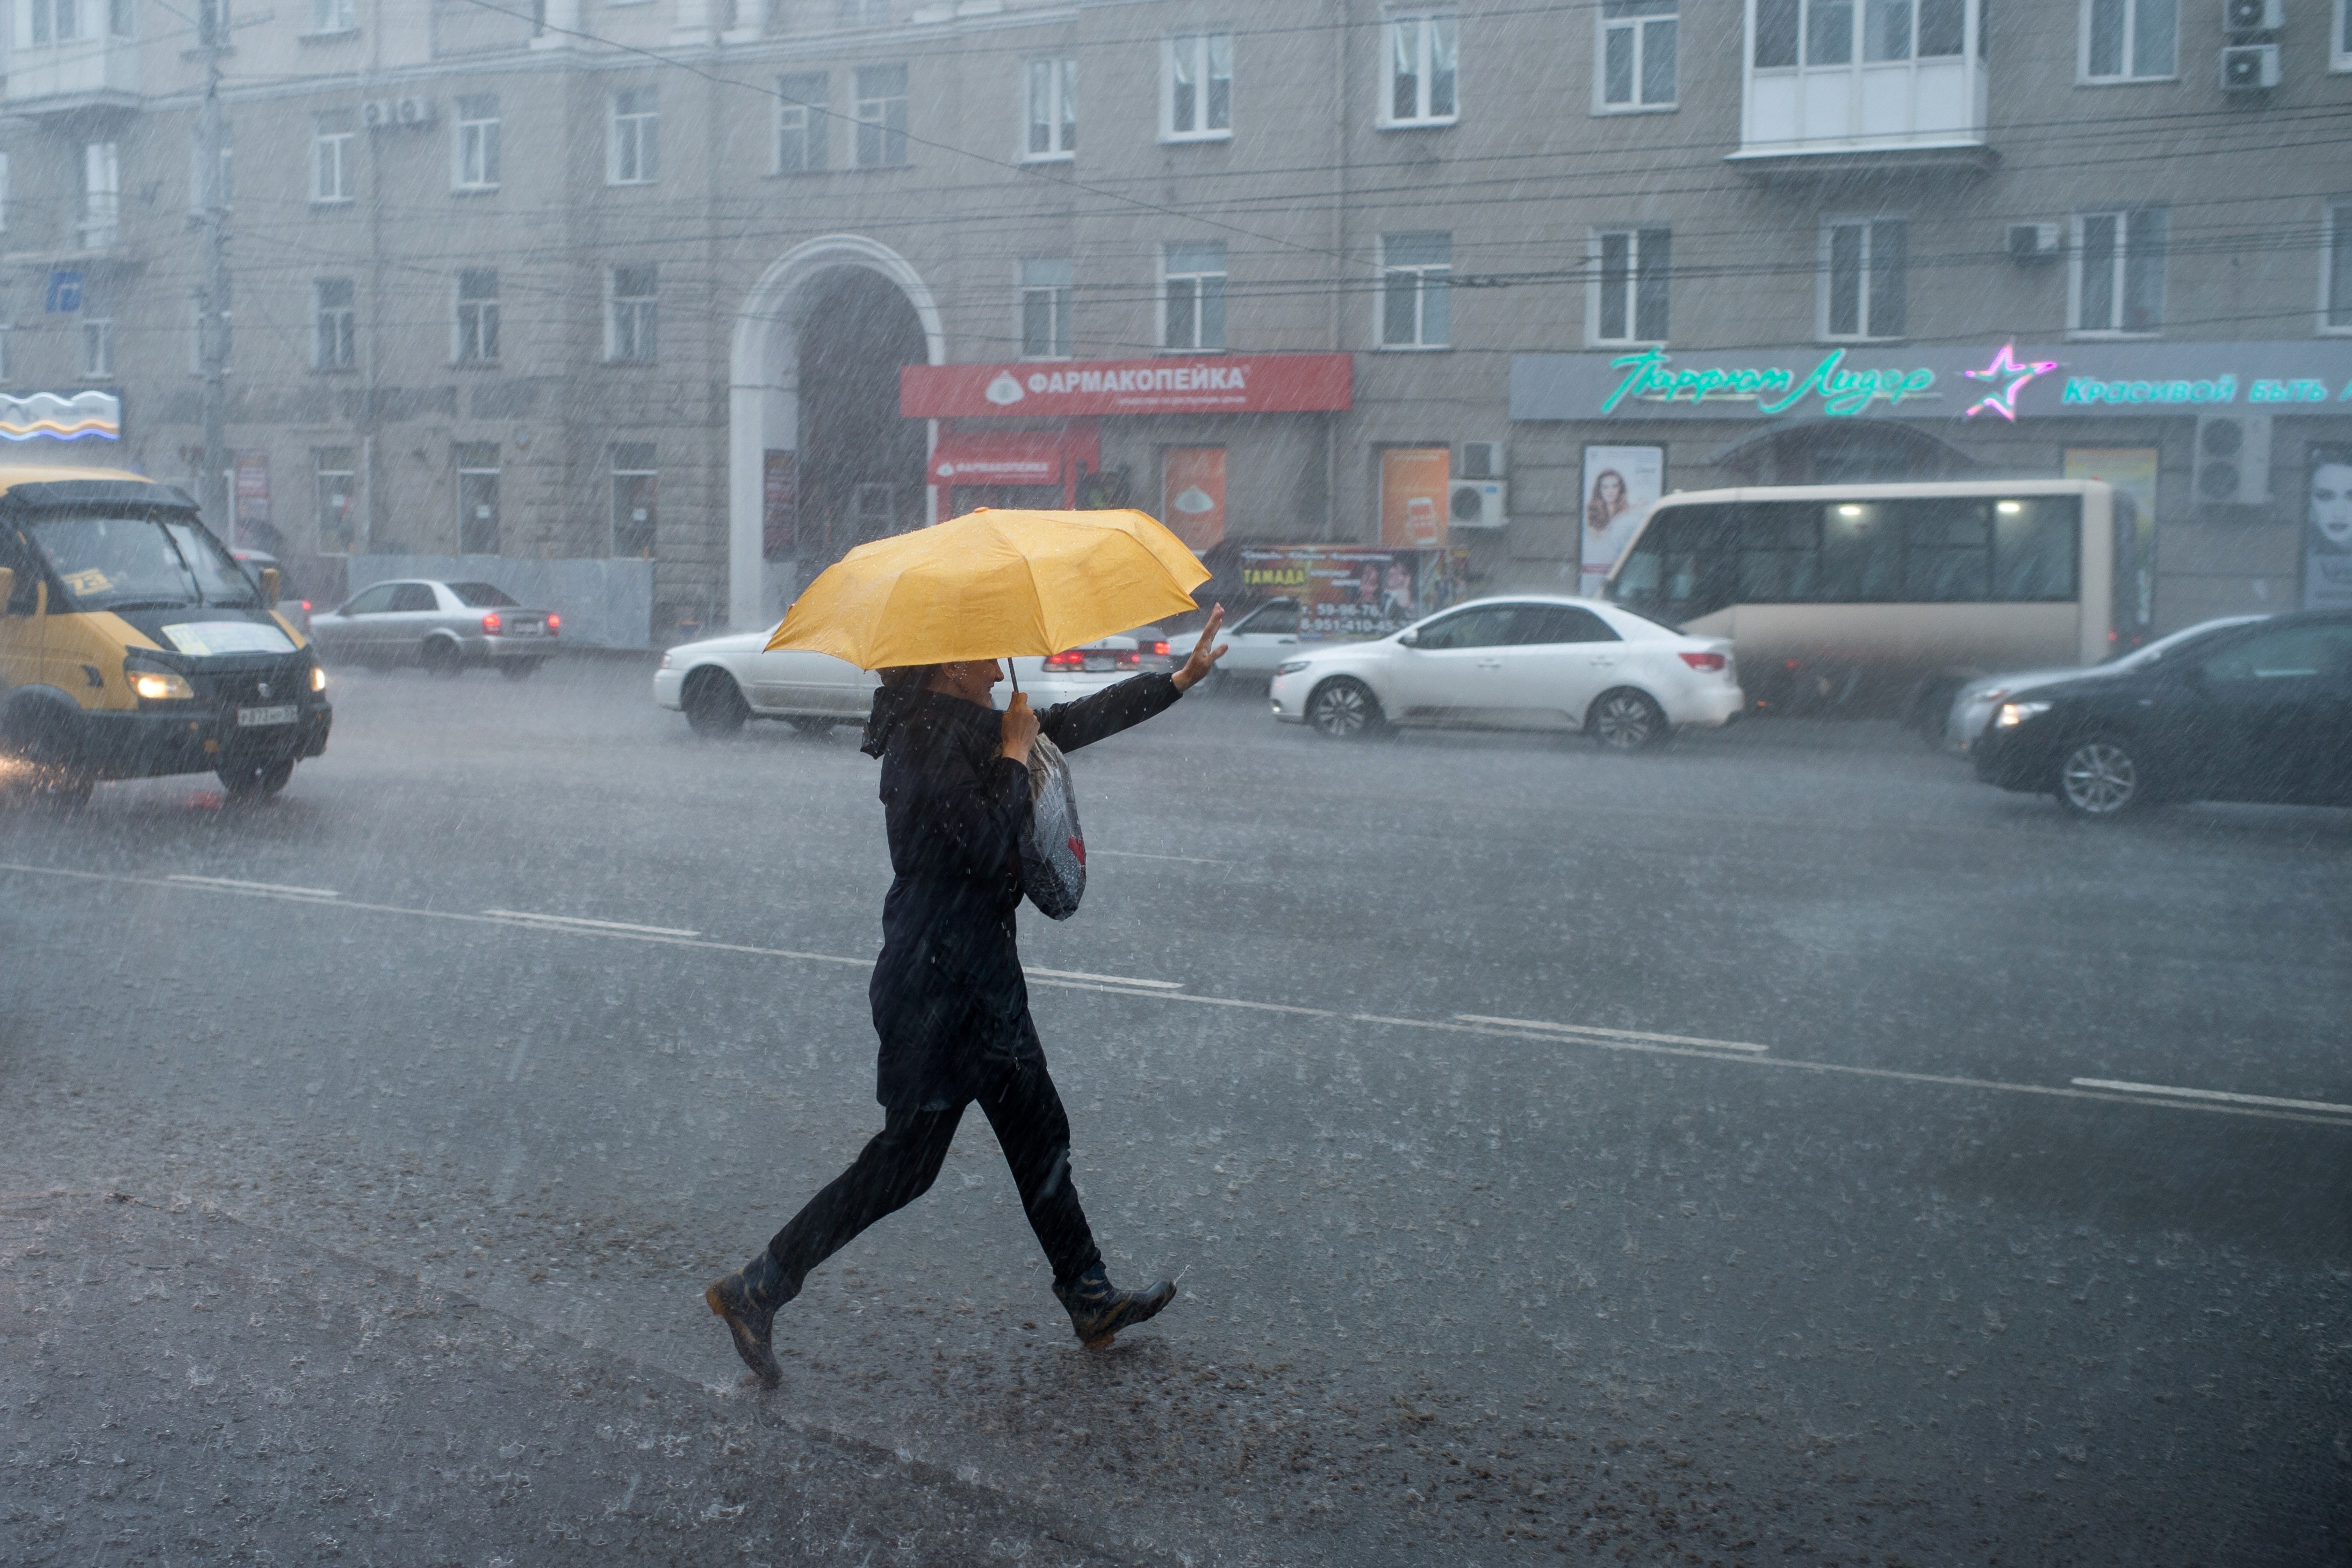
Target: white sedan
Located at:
point(1254, 643)
point(720, 682)
point(1527, 661)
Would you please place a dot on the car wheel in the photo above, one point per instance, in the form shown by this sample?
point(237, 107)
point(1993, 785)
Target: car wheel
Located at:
point(810, 726)
point(256, 781)
point(1345, 710)
point(713, 704)
point(518, 668)
point(442, 658)
point(1626, 720)
point(2101, 778)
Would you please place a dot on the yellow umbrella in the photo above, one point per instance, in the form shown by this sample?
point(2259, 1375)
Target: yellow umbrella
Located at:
point(993, 584)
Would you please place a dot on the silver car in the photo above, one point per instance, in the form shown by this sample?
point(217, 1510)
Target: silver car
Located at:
point(444, 627)
point(1974, 705)
point(1254, 643)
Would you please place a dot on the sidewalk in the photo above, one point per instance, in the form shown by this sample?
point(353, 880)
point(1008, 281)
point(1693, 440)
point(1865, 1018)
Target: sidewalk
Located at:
point(179, 1387)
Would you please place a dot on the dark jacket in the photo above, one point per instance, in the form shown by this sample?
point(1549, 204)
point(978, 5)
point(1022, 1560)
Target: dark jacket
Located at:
point(949, 999)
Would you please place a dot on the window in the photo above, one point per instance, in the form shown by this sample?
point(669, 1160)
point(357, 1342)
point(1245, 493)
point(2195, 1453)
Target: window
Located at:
point(2335, 268)
point(4, 193)
point(331, 136)
point(200, 198)
point(2118, 272)
point(6, 328)
point(1052, 94)
point(636, 137)
point(97, 346)
point(336, 488)
point(477, 498)
point(333, 15)
point(64, 21)
point(801, 123)
point(101, 209)
point(633, 499)
point(334, 345)
point(1630, 270)
point(629, 316)
point(2130, 41)
point(1197, 89)
point(1046, 309)
point(1862, 265)
point(881, 117)
point(212, 24)
point(477, 316)
point(1422, 56)
point(1875, 32)
point(1192, 301)
point(1416, 275)
point(1488, 625)
point(1535, 625)
point(476, 148)
point(1638, 41)
point(2342, 43)
point(2290, 653)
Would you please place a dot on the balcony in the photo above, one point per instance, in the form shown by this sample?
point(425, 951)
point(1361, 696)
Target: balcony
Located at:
point(67, 77)
point(1840, 87)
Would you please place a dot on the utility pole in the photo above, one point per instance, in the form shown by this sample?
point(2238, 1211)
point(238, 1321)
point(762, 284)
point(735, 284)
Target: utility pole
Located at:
point(212, 143)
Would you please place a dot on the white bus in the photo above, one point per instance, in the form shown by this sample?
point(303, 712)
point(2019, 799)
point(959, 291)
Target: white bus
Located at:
point(1886, 598)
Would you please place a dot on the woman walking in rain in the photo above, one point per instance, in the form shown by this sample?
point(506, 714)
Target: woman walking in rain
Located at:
point(950, 1003)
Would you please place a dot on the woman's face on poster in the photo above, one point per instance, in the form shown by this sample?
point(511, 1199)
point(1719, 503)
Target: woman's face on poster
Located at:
point(2331, 505)
point(1609, 489)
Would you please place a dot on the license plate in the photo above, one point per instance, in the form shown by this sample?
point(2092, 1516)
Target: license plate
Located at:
point(1106, 662)
point(524, 629)
point(255, 718)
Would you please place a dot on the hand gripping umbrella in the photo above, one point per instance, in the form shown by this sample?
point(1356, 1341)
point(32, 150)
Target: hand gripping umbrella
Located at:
point(993, 584)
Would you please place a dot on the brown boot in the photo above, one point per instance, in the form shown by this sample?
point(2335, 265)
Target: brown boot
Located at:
point(1099, 1310)
point(747, 1300)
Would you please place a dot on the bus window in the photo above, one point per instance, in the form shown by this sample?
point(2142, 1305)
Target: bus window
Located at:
point(1780, 553)
point(1862, 552)
point(1948, 552)
point(2037, 549)
point(1682, 567)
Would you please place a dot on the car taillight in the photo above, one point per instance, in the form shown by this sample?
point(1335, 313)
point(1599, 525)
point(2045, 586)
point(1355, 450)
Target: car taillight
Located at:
point(306, 607)
point(490, 624)
point(1128, 659)
point(1159, 648)
point(553, 621)
point(1704, 660)
point(1073, 659)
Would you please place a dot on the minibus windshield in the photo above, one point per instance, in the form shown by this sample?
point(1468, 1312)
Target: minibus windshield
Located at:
point(140, 563)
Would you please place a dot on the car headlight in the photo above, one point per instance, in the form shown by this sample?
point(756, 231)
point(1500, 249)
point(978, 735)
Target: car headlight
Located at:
point(1290, 667)
point(2013, 714)
point(154, 682)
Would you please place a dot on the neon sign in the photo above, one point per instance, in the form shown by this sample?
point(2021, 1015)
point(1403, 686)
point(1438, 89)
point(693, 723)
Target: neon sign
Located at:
point(47, 417)
point(1774, 389)
point(2005, 369)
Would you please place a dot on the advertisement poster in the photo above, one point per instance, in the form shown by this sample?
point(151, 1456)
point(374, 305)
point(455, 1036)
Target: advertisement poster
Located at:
point(1348, 592)
point(778, 494)
point(2327, 530)
point(1413, 484)
point(1620, 483)
point(2132, 470)
point(1192, 494)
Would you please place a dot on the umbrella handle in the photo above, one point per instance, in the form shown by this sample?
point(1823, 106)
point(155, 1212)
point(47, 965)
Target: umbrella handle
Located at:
point(1014, 670)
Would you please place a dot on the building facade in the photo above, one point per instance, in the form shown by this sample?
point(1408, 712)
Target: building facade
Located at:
point(730, 287)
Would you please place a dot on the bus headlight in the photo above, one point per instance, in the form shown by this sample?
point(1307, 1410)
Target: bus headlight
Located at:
point(2013, 714)
point(155, 683)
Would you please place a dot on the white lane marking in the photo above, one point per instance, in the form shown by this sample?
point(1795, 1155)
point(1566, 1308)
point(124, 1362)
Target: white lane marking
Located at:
point(1187, 859)
point(230, 884)
point(2210, 1094)
point(1609, 1033)
point(536, 918)
point(1107, 979)
point(1697, 1053)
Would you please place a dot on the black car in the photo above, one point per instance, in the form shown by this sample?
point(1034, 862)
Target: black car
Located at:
point(2254, 712)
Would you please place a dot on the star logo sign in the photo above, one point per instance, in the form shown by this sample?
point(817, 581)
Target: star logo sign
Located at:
point(2009, 377)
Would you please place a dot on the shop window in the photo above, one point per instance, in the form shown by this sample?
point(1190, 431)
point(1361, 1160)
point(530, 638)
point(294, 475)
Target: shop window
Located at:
point(476, 149)
point(332, 136)
point(1423, 71)
point(1417, 285)
point(1046, 309)
point(477, 498)
point(881, 117)
point(1053, 110)
point(1630, 268)
point(1197, 89)
point(2130, 41)
point(635, 512)
point(1862, 268)
point(801, 100)
point(334, 343)
point(2118, 284)
point(635, 137)
point(476, 336)
point(2336, 267)
point(336, 488)
point(1192, 296)
point(1635, 60)
point(630, 314)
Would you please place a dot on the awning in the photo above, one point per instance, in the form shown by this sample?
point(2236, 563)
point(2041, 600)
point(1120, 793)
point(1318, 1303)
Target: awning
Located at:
point(1013, 457)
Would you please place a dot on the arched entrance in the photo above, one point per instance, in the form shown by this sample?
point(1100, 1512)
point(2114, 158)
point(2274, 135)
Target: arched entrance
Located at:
point(1841, 452)
point(814, 413)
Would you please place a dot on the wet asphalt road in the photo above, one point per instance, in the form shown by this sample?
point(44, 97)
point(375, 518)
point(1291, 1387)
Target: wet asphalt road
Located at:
point(1892, 1287)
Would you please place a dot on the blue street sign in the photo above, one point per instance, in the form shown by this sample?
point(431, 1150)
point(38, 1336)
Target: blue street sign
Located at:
point(65, 291)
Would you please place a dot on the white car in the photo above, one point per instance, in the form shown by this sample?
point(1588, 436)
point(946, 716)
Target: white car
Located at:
point(1254, 643)
point(720, 682)
point(1525, 661)
point(1974, 705)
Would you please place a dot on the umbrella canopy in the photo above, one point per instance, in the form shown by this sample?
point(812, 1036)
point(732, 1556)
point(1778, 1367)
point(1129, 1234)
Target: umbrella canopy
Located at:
point(993, 584)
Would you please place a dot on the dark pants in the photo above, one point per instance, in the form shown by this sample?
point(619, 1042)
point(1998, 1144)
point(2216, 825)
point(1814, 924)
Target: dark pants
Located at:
point(903, 1160)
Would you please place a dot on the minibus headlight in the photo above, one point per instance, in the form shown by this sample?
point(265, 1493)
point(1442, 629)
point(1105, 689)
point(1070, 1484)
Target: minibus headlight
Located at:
point(152, 683)
point(318, 678)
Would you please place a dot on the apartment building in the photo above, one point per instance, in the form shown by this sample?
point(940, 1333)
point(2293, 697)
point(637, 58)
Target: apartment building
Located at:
point(730, 287)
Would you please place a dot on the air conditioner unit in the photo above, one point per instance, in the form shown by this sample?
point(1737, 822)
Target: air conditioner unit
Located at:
point(416, 111)
point(1479, 503)
point(2032, 242)
point(2250, 68)
point(2253, 15)
point(2233, 459)
point(378, 113)
point(1482, 460)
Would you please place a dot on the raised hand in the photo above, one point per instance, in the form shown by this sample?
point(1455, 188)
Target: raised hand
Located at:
point(1205, 652)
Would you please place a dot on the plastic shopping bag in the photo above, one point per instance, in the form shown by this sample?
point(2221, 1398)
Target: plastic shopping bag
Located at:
point(1054, 849)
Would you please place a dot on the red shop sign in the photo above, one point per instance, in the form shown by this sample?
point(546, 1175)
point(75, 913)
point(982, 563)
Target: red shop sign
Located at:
point(1221, 383)
point(1011, 456)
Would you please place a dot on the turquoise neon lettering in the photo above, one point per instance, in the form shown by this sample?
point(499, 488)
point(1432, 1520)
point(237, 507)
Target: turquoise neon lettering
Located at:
point(1643, 372)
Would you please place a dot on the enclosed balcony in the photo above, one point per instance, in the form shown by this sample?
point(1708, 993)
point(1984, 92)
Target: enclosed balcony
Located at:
point(1856, 84)
point(67, 56)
